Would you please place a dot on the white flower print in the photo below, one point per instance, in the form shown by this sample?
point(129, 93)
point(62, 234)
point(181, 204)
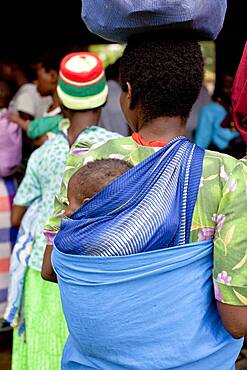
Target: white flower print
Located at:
point(201, 182)
point(224, 278)
point(116, 156)
point(88, 159)
point(223, 173)
point(232, 186)
point(219, 220)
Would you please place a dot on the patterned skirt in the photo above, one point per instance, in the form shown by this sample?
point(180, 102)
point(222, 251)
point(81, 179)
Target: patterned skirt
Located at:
point(7, 235)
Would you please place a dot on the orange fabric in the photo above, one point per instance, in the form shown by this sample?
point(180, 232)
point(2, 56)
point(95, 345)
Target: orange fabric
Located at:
point(139, 140)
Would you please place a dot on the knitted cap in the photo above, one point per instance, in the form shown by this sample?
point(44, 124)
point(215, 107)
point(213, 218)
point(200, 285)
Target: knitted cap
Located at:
point(82, 83)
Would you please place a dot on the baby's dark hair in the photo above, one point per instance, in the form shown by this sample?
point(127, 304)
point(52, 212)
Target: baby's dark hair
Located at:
point(94, 176)
point(165, 75)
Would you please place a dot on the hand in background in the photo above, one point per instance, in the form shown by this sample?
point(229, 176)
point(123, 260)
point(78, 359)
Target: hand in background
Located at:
point(16, 118)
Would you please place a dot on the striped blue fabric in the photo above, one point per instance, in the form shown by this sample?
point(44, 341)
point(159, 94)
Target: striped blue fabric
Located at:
point(5, 235)
point(10, 184)
point(3, 295)
point(14, 312)
point(145, 209)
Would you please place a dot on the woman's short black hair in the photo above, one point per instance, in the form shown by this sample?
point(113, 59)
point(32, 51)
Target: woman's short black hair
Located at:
point(165, 75)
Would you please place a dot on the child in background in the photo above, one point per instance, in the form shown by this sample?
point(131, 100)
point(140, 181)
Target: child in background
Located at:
point(47, 70)
point(39, 129)
point(27, 102)
point(10, 159)
point(10, 135)
point(43, 178)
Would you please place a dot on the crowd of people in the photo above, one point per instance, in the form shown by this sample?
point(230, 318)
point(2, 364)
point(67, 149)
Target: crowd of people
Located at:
point(122, 192)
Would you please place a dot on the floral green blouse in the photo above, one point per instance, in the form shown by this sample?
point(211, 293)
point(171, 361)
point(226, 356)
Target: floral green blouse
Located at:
point(219, 213)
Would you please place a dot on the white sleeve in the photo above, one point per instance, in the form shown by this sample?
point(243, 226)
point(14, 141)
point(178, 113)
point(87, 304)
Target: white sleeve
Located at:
point(25, 103)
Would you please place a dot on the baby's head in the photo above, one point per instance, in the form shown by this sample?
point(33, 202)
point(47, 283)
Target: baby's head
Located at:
point(92, 178)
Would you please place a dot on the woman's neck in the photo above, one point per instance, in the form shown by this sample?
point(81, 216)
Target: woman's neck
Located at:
point(162, 129)
point(79, 121)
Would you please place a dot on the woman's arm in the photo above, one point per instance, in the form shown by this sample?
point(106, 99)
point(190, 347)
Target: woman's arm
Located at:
point(40, 141)
point(17, 214)
point(230, 253)
point(234, 319)
point(47, 271)
point(40, 126)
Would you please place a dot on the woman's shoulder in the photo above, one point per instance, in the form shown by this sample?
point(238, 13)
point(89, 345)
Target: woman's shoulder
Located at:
point(223, 184)
point(118, 141)
point(115, 145)
point(221, 171)
point(219, 162)
point(121, 148)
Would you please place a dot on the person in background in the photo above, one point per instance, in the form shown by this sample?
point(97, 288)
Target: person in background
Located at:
point(112, 117)
point(81, 90)
point(203, 99)
point(10, 159)
point(239, 97)
point(47, 79)
point(40, 129)
point(27, 101)
point(239, 106)
point(209, 133)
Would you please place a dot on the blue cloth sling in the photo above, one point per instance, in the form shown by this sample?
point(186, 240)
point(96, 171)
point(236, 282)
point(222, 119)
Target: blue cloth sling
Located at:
point(153, 310)
point(148, 208)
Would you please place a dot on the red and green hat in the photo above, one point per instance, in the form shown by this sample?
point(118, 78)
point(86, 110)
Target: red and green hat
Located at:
point(82, 83)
